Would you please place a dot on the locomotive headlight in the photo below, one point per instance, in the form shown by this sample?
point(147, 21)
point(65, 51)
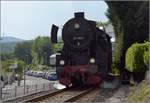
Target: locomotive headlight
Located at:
point(76, 26)
point(62, 62)
point(92, 60)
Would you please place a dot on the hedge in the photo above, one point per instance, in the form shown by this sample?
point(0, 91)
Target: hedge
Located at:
point(146, 54)
point(135, 60)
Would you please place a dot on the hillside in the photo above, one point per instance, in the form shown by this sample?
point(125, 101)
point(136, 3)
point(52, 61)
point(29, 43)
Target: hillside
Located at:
point(8, 44)
point(8, 47)
point(9, 39)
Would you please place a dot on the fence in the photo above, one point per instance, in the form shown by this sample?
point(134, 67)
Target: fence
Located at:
point(18, 91)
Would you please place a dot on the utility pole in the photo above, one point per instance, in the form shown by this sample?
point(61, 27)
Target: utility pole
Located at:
point(0, 57)
point(1, 82)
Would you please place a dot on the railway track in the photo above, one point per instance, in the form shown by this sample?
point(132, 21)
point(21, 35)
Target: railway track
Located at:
point(65, 95)
point(25, 97)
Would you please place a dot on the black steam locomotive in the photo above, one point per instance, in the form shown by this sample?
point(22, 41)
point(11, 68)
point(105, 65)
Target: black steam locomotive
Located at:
point(86, 56)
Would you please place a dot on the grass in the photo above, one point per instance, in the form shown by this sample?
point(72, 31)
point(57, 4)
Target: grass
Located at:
point(140, 93)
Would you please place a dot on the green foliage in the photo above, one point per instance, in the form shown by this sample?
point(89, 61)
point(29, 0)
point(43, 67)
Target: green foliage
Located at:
point(21, 66)
point(130, 22)
point(115, 67)
point(57, 47)
point(134, 57)
point(146, 58)
point(34, 53)
point(113, 13)
point(8, 47)
point(102, 24)
point(115, 71)
point(7, 56)
point(23, 51)
point(6, 64)
point(39, 67)
point(41, 50)
point(146, 55)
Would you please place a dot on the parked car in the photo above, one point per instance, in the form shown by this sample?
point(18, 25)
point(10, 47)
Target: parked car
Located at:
point(27, 72)
point(30, 73)
point(39, 74)
point(34, 73)
point(44, 73)
point(52, 76)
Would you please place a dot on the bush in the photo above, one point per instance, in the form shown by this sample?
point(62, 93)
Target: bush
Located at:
point(134, 57)
point(146, 54)
point(38, 67)
point(146, 58)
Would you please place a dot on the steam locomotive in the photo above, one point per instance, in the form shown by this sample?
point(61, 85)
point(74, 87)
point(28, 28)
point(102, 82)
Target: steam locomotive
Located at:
point(86, 56)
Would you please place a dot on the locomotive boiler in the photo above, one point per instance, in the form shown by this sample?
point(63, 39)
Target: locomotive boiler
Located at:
point(86, 56)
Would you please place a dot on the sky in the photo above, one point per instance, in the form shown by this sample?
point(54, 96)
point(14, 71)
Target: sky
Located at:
point(29, 19)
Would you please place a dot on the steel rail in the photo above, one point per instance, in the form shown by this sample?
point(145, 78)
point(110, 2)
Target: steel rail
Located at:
point(55, 93)
point(80, 95)
point(46, 95)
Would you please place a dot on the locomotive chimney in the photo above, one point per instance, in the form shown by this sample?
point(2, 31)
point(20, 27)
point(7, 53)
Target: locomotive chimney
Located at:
point(79, 15)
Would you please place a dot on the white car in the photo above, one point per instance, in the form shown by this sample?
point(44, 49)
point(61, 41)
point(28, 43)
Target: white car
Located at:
point(39, 73)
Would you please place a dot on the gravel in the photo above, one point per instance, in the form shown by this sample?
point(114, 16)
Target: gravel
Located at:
point(107, 95)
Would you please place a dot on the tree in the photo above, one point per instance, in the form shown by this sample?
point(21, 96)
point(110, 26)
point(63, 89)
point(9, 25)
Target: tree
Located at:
point(130, 21)
point(20, 67)
point(6, 56)
point(23, 51)
point(57, 47)
point(99, 23)
point(6, 64)
point(41, 50)
point(20, 70)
